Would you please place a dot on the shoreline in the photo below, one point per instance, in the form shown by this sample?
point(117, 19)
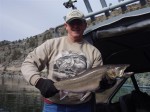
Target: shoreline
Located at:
point(12, 68)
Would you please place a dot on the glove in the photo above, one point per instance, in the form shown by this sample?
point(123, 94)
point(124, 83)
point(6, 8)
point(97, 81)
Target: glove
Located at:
point(106, 83)
point(46, 87)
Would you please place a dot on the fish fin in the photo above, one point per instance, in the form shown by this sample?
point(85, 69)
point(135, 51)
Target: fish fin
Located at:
point(85, 96)
point(63, 94)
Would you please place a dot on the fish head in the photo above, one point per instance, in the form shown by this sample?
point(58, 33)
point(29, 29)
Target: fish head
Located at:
point(116, 70)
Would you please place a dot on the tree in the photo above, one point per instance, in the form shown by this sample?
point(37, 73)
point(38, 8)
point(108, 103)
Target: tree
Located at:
point(44, 38)
point(16, 54)
point(32, 42)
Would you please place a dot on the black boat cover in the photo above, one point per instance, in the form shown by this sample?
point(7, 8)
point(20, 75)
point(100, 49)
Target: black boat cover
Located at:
point(124, 39)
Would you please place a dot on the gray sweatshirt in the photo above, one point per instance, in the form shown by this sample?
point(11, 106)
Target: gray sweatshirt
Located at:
point(63, 59)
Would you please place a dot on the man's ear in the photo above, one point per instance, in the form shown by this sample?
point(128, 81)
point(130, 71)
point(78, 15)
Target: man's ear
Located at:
point(65, 25)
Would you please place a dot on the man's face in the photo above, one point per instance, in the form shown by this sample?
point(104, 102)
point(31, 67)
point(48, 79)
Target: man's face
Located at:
point(75, 29)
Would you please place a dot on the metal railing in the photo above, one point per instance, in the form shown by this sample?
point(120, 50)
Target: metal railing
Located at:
point(105, 9)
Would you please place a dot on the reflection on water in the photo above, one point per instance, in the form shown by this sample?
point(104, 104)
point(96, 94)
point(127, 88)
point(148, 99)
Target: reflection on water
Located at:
point(17, 96)
point(19, 102)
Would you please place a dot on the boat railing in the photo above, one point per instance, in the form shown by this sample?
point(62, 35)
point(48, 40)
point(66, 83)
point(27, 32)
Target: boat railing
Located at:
point(105, 9)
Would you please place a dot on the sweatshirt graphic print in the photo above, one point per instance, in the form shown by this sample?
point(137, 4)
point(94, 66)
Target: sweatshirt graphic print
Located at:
point(69, 64)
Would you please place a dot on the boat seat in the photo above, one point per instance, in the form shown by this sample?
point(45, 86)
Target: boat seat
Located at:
point(137, 101)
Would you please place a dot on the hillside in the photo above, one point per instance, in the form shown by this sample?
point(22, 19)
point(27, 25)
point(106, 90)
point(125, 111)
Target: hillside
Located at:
point(13, 53)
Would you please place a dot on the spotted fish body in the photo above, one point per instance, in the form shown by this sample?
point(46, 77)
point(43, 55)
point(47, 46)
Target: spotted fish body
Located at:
point(90, 80)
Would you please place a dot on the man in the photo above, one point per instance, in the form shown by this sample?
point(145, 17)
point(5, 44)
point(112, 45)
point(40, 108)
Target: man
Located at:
point(64, 57)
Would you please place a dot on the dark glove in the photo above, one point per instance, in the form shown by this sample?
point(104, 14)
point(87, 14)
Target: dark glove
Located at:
point(46, 87)
point(106, 83)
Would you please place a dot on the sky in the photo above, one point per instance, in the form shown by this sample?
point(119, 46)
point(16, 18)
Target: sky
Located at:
point(20, 19)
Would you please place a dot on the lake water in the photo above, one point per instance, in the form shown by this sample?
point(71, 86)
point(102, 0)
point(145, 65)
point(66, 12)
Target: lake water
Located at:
point(18, 96)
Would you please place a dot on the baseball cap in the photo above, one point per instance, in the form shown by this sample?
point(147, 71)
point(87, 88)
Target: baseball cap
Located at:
point(74, 14)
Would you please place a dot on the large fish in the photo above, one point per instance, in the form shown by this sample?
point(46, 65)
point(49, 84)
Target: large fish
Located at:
point(89, 80)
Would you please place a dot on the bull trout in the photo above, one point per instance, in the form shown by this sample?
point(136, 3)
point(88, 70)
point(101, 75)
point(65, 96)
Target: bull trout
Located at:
point(89, 81)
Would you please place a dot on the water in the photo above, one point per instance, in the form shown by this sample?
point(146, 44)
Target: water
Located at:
point(20, 102)
point(18, 96)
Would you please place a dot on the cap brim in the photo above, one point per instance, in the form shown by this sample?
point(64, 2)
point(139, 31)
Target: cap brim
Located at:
point(76, 18)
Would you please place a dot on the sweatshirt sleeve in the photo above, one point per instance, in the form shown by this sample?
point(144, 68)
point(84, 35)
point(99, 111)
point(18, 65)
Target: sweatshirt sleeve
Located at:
point(35, 62)
point(97, 58)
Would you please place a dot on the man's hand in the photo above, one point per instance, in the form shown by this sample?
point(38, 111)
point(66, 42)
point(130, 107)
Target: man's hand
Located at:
point(106, 83)
point(46, 87)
